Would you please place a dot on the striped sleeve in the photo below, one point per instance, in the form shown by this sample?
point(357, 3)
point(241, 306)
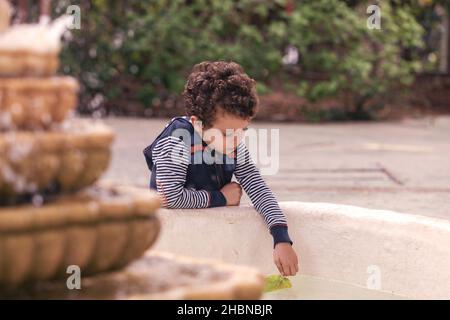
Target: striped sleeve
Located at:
point(260, 195)
point(171, 158)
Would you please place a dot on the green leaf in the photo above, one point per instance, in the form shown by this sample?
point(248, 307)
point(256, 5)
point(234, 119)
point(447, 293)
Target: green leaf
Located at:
point(276, 282)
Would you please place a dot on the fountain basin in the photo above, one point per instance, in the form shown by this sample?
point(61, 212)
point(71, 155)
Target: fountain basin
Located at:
point(398, 253)
point(36, 103)
point(28, 63)
point(51, 162)
point(157, 275)
point(97, 230)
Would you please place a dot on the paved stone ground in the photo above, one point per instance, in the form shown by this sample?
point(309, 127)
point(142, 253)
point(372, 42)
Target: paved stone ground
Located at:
point(402, 166)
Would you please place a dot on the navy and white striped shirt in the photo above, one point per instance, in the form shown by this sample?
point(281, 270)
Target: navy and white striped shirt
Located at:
point(184, 184)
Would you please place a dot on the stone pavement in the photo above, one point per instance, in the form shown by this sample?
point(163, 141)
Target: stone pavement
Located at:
point(402, 166)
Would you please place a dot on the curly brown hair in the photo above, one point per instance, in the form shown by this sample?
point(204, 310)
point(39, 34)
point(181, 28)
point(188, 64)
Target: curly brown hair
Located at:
point(219, 84)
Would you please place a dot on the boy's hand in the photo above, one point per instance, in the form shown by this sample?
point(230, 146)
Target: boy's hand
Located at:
point(285, 259)
point(232, 192)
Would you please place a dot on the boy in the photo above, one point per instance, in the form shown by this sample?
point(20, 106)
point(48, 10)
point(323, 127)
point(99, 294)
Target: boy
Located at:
point(220, 100)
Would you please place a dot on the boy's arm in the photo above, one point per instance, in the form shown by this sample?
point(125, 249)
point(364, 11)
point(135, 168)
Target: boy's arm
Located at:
point(261, 196)
point(171, 159)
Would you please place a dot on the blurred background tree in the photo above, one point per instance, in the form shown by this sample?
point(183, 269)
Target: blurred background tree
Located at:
point(132, 57)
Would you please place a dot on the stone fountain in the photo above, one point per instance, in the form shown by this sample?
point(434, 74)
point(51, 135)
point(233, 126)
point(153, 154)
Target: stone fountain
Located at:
point(54, 215)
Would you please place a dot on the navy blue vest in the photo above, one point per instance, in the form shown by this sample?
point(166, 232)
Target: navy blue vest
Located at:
point(200, 176)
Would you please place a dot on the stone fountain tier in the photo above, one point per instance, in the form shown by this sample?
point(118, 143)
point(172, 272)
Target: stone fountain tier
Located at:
point(157, 275)
point(52, 162)
point(28, 63)
point(100, 229)
point(36, 103)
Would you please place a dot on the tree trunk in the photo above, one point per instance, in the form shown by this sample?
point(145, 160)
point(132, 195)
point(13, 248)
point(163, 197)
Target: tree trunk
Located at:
point(22, 11)
point(447, 34)
point(444, 53)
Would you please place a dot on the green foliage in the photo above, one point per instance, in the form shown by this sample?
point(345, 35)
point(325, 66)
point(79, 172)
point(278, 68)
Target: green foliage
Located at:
point(346, 57)
point(276, 282)
point(139, 52)
point(142, 51)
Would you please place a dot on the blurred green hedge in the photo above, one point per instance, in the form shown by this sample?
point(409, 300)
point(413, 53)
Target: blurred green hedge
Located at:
point(135, 55)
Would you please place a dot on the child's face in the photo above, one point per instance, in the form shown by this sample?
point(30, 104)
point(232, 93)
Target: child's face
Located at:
point(225, 134)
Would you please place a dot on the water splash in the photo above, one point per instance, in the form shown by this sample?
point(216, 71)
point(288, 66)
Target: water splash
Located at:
point(41, 37)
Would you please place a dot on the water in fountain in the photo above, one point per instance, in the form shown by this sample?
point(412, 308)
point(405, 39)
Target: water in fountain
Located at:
point(306, 287)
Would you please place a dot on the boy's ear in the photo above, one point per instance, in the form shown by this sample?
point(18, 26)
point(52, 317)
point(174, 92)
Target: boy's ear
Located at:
point(196, 123)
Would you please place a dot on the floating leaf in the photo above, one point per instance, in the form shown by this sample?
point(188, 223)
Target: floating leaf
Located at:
point(276, 282)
